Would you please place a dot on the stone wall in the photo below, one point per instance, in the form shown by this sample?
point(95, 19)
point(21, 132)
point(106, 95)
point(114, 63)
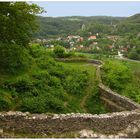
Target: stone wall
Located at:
point(59, 123)
point(116, 102)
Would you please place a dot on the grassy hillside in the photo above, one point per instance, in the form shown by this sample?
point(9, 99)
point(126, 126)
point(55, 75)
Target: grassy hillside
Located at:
point(123, 77)
point(50, 86)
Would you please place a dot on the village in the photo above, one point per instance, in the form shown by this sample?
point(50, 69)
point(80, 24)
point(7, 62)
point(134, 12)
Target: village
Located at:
point(97, 43)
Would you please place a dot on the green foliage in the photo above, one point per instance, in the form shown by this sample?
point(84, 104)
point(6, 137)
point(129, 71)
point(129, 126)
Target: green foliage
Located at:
point(13, 58)
point(133, 92)
point(74, 82)
point(48, 86)
point(32, 80)
point(64, 26)
point(94, 103)
point(36, 51)
point(42, 104)
point(62, 43)
point(6, 100)
point(123, 77)
point(134, 54)
point(59, 51)
point(18, 22)
point(116, 75)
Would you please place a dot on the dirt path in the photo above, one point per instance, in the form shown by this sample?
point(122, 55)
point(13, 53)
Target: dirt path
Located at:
point(89, 90)
point(127, 59)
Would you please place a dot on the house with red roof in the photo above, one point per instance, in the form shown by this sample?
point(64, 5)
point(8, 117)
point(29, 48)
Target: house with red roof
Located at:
point(92, 37)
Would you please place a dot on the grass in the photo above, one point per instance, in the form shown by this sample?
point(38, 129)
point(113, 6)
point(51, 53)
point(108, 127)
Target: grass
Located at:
point(89, 102)
point(74, 103)
point(132, 88)
point(80, 100)
point(51, 86)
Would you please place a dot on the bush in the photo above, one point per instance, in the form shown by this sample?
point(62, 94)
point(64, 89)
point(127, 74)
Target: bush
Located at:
point(20, 85)
point(13, 58)
point(134, 55)
point(6, 101)
point(59, 51)
point(41, 104)
point(45, 62)
point(132, 92)
point(36, 50)
point(70, 54)
point(116, 75)
point(33, 105)
point(75, 82)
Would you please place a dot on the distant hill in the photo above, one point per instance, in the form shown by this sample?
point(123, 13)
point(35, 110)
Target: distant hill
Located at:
point(51, 27)
point(62, 26)
point(130, 25)
point(134, 19)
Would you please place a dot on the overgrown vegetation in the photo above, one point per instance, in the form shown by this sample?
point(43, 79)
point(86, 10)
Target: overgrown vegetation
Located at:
point(13, 58)
point(30, 79)
point(47, 86)
point(123, 77)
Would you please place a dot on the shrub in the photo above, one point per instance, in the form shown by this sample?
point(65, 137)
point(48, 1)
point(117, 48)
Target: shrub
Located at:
point(37, 51)
point(20, 85)
point(59, 51)
point(33, 105)
point(45, 62)
point(6, 101)
point(70, 54)
point(116, 75)
point(75, 82)
point(132, 92)
point(41, 104)
point(134, 55)
point(13, 58)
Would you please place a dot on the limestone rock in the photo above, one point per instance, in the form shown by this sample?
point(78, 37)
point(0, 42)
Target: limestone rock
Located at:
point(86, 133)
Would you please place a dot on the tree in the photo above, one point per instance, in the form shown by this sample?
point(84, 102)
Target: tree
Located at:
point(18, 22)
point(134, 54)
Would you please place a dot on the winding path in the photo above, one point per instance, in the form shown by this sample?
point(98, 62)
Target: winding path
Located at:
point(88, 92)
point(91, 85)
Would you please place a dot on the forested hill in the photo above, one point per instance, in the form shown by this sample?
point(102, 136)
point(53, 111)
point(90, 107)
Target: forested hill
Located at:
point(130, 25)
point(62, 26)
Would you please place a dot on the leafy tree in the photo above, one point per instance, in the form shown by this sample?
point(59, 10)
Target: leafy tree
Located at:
point(18, 22)
point(134, 55)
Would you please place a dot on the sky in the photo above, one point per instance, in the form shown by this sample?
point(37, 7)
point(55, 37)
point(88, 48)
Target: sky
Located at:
point(89, 8)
